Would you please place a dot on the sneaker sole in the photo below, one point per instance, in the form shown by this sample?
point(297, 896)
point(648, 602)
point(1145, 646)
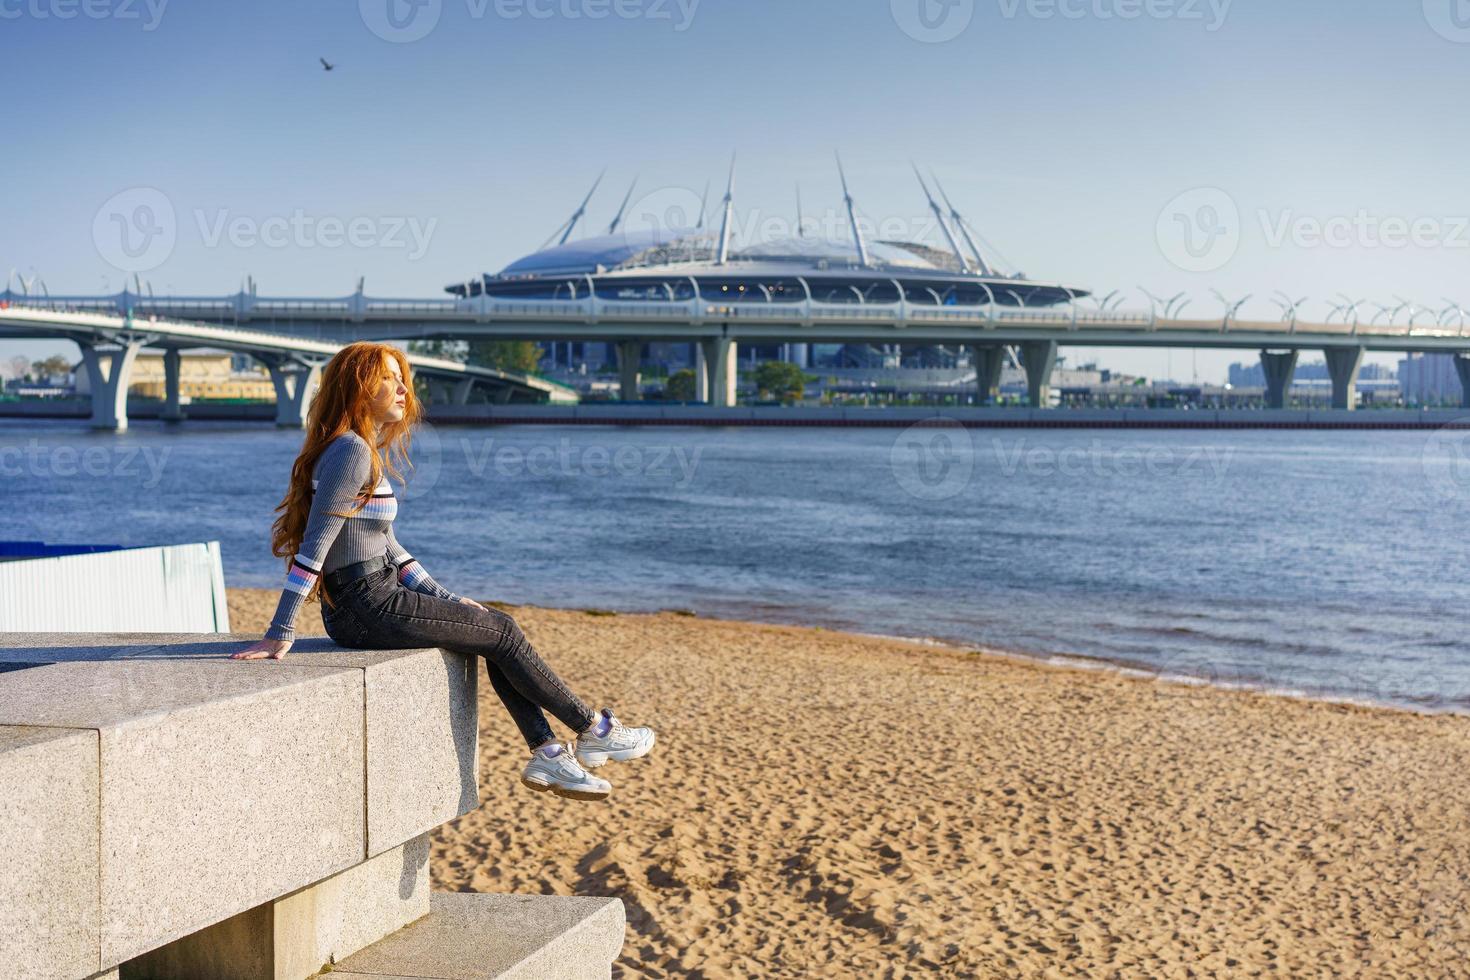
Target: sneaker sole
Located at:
point(625, 755)
point(570, 794)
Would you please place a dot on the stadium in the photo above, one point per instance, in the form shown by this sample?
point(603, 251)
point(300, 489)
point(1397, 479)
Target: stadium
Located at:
point(658, 260)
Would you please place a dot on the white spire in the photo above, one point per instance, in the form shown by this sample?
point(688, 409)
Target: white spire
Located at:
point(943, 225)
point(618, 218)
point(857, 234)
point(959, 222)
point(724, 250)
point(577, 214)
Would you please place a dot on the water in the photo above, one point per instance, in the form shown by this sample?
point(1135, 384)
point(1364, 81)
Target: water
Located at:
point(1329, 563)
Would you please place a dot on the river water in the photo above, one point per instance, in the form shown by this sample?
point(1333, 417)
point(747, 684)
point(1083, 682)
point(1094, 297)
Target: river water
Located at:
point(1329, 563)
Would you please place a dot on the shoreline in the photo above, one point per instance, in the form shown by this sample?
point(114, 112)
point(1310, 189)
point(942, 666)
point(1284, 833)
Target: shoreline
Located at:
point(767, 416)
point(1056, 660)
point(1051, 660)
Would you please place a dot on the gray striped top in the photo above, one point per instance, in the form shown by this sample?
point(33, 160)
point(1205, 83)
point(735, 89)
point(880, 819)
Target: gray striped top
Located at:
point(330, 542)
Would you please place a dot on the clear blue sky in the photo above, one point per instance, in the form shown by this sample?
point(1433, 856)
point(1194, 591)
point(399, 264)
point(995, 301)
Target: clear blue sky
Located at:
point(1062, 127)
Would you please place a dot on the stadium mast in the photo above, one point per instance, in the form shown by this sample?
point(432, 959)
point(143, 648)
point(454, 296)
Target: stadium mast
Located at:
point(724, 250)
point(617, 218)
point(857, 234)
point(943, 225)
point(959, 222)
point(566, 229)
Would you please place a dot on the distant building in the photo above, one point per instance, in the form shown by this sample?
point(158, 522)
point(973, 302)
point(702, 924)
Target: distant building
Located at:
point(1254, 376)
point(1429, 379)
point(203, 374)
point(17, 388)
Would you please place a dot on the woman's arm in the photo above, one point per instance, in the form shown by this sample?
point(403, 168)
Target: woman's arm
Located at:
point(412, 574)
point(341, 473)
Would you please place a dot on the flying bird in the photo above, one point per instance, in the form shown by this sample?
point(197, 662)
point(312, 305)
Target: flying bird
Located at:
point(326, 65)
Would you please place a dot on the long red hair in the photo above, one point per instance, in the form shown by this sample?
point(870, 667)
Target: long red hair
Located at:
point(344, 401)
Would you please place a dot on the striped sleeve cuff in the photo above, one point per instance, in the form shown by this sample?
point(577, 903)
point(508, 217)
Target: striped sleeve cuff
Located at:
point(301, 577)
point(413, 576)
point(299, 581)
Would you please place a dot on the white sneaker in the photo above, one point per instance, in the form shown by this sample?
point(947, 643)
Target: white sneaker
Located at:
point(560, 774)
point(619, 744)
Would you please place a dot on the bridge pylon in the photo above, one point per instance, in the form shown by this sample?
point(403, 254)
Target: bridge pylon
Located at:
point(450, 391)
point(714, 371)
point(1278, 366)
point(630, 357)
point(109, 373)
point(1343, 364)
point(1038, 358)
point(173, 410)
point(988, 359)
point(1462, 368)
point(296, 380)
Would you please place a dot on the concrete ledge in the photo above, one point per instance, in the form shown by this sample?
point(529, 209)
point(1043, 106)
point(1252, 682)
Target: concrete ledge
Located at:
point(48, 834)
point(219, 787)
point(251, 816)
point(422, 713)
point(469, 936)
point(294, 936)
point(215, 786)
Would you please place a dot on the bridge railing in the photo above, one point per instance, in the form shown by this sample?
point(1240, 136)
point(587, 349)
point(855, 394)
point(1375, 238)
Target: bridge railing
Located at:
point(243, 308)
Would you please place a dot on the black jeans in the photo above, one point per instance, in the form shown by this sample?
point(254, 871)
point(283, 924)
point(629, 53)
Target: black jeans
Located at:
point(377, 612)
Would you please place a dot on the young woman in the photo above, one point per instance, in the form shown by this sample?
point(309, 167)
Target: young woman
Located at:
point(337, 530)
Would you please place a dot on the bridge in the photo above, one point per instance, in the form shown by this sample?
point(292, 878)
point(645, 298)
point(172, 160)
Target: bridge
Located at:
point(717, 324)
point(111, 340)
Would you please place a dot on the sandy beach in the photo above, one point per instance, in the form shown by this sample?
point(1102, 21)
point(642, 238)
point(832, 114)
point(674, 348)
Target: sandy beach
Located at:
point(825, 804)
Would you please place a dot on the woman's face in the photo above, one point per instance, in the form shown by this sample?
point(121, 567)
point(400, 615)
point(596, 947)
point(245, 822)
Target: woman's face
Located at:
point(388, 403)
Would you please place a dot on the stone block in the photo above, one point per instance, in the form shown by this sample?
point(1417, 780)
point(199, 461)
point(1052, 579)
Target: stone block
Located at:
point(48, 839)
point(335, 918)
point(294, 936)
point(468, 936)
point(422, 713)
point(222, 785)
point(423, 738)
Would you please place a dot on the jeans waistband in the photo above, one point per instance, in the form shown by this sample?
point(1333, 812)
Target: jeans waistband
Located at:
point(348, 574)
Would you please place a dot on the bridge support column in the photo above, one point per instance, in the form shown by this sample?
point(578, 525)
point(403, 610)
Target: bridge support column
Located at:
point(109, 373)
point(443, 391)
point(988, 359)
point(1462, 368)
point(296, 383)
point(1342, 366)
point(630, 353)
point(714, 372)
point(172, 410)
point(1038, 357)
point(1279, 366)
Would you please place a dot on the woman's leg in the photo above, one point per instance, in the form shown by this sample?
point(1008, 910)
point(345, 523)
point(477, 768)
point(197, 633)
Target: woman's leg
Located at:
point(528, 718)
point(410, 618)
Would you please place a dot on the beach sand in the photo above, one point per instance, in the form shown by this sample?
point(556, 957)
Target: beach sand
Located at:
point(825, 804)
